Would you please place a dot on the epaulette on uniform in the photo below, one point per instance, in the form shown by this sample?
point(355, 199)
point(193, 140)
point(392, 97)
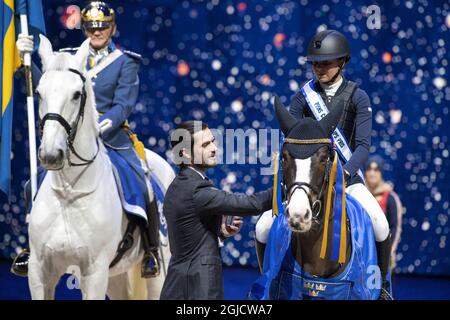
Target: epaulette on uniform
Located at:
point(69, 50)
point(133, 55)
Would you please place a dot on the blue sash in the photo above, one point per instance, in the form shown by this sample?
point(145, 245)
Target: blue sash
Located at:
point(320, 110)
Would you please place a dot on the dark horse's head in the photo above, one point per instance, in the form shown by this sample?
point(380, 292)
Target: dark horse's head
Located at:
point(305, 157)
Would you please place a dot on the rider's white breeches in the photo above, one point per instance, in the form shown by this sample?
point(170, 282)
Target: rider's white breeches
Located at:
point(379, 222)
point(263, 226)
point(358, 191)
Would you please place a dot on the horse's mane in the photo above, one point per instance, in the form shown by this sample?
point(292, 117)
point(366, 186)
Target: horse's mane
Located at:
point(61, 61)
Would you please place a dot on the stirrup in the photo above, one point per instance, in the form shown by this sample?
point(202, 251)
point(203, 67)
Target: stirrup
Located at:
point(19, 266)
point(150, 265)
point(385, 295)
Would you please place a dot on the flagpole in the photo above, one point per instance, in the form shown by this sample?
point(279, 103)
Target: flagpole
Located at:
point(30, 112)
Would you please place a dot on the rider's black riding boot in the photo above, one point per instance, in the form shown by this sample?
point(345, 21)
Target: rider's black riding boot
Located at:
point(150, 235)
point(384, 256)
point(20, 264)
point(260, 249)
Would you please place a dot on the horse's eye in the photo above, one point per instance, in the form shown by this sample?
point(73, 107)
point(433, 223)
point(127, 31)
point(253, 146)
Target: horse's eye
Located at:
point(76, 95)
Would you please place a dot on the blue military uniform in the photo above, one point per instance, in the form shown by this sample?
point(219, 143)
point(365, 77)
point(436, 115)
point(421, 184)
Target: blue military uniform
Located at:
point(116, 89)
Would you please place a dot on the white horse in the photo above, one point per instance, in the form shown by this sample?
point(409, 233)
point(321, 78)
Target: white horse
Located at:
point(77, 221)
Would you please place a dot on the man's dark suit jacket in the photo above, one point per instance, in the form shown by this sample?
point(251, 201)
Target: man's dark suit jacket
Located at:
point(193, 208)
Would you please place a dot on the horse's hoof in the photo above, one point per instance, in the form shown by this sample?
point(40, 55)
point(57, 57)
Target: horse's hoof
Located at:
point(20, 264)
point(150, 266)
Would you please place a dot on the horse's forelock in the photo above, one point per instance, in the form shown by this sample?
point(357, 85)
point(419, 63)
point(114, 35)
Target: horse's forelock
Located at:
point(61, 61)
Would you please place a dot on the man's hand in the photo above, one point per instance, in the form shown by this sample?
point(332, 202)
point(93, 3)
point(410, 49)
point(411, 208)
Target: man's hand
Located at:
point(231, 230)
point(24, 44)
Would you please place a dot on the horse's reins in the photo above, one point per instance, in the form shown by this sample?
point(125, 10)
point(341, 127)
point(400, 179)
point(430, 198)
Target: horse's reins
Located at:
point(317, 205)
point(72, 130)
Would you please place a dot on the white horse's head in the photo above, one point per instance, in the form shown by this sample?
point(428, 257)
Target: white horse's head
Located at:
point(65, 96)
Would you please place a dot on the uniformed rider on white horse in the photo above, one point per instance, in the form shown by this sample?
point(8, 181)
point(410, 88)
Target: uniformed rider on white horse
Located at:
point(114, 75)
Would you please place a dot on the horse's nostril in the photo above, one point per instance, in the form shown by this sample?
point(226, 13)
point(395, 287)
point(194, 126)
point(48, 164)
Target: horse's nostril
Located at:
point(308, 215)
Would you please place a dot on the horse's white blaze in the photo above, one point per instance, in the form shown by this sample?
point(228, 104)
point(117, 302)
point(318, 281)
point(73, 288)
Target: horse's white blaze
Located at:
point(299, 203)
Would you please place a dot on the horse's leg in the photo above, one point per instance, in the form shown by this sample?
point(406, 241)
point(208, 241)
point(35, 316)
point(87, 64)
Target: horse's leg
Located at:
point(42, 285)
point(118, 287)
point(94, 285)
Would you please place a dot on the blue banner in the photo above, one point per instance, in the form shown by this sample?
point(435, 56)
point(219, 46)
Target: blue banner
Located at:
point(34, 11)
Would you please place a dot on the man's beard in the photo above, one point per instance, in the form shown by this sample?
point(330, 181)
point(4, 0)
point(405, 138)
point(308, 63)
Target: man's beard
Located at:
point(204, 166)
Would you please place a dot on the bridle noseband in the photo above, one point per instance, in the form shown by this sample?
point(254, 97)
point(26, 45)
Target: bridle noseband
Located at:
point(317, 205)
point(71, 129)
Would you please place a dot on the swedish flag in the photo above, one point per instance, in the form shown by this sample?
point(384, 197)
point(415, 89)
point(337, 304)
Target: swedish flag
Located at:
point(9, 62)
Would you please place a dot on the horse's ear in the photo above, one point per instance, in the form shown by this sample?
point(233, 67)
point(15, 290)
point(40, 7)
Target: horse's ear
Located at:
point(285, 119)
point(83, 53)
point(45, 50)
point(331, 120)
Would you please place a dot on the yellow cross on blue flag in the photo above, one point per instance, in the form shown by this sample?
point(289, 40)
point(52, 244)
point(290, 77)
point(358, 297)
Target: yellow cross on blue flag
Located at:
point(9, 62)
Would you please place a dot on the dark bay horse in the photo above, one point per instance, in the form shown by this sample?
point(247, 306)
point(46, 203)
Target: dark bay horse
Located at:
point(316, 215)
point(307, 159)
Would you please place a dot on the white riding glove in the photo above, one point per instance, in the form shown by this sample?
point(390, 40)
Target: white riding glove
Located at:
point(24, 44)
point(105, 125)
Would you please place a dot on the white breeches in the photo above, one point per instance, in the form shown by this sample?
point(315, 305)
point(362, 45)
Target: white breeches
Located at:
point(379, 222)
point(358, 191)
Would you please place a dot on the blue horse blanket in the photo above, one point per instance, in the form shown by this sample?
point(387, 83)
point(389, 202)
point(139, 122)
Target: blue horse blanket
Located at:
point(284, 279)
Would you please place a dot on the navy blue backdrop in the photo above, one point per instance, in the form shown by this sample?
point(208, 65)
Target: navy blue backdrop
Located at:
point(219, 61)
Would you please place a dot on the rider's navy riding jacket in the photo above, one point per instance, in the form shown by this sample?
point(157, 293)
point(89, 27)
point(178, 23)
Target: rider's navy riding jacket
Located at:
point(356, 124)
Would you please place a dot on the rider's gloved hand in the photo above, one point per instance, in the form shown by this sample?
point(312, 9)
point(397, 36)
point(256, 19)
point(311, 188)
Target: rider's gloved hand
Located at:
point(24, 44)
point(347, 177)
point(105, 125)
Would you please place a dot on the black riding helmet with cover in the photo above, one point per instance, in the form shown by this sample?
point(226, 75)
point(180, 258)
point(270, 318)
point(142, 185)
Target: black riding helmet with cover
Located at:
point(97, 15)
point(329, 45)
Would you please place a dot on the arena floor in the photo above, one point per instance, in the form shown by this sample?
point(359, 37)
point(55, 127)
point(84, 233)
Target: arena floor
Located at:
point(237, 282)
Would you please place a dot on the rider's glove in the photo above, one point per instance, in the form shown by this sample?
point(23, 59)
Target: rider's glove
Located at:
point(347, 177)
point(24, 44)
point(105, 125)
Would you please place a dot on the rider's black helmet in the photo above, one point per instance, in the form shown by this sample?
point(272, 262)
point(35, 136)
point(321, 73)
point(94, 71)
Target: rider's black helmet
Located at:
point(97, 14)
point(328, 45)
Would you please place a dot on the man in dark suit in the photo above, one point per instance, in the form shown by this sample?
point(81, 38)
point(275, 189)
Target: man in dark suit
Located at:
point(194, 210)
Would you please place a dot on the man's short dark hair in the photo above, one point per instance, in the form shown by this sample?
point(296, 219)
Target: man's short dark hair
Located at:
point(184, 133)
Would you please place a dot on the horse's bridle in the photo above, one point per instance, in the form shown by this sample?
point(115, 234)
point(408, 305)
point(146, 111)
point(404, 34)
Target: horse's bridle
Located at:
point(71, 130)
point(317, 205)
